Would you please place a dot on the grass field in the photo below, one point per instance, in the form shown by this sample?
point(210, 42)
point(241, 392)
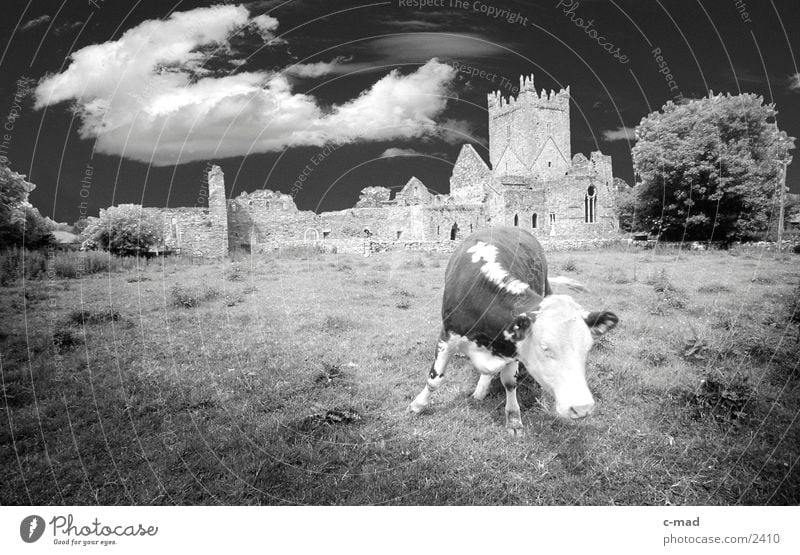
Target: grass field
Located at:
point(285, 379)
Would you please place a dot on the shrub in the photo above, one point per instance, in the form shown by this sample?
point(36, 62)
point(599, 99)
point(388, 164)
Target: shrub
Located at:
point(126, 230)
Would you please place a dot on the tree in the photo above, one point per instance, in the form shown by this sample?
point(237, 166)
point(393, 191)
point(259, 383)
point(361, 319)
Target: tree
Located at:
point(21, 225)
point(80, 224)
point(126, 230)
point(624, 204)
point(709, 168)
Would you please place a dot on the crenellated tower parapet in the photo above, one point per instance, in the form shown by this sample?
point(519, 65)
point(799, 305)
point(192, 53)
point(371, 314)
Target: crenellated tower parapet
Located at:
point(529, 134)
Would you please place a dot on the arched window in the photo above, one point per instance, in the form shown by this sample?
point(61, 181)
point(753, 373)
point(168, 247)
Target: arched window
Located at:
point(516, 220)
point(534, 221)
point(437, 230)
point(590, 205)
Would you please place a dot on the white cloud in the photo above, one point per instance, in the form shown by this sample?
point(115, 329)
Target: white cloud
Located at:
point(794, 82)
point(340, 65)
point(620, 134)
point(266, 26)
point(395, 151)
point(35, 22)
point(149, 97)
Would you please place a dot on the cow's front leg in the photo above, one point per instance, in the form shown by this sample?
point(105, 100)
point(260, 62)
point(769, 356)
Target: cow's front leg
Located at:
point(482, 389)
point(435, 375)
point(508, 376)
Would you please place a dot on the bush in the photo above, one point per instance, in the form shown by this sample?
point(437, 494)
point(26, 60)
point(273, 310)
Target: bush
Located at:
point(126, 230)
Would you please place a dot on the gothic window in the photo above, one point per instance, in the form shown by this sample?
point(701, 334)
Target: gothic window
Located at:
point(590, 205)
point(516, 220)
point(549, 164)
point(534, 221)
point(437, 230)
point(552, 219)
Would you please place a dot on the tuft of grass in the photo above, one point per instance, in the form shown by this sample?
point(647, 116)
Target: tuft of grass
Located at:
point(65, 339)
point(713, 289)
point(570, 265)
point(660, 281)
point(184, 297)
point(235, 273)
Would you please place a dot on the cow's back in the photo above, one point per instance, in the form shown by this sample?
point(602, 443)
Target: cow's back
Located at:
point(478, 307)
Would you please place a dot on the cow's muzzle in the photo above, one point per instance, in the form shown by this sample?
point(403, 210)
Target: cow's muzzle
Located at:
point(580, 411)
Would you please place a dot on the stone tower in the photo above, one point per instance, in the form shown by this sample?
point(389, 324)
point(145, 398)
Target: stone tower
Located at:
point(217, 213)
point(529, 135)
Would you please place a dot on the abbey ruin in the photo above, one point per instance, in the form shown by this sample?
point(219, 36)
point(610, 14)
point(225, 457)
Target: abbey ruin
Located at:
point(532, 181)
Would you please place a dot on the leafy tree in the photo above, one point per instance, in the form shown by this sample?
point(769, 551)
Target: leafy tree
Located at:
point(21, 225)
point(126, 230)
point(80, 224)
point(624, 203)
point(709, 168)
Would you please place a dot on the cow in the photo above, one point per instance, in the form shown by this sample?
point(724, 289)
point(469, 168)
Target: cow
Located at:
point(499, 310)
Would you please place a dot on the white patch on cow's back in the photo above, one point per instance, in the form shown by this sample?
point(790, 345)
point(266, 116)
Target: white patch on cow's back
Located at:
point(492, 269)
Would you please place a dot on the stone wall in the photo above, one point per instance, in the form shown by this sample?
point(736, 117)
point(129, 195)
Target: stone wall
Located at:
point(471, 177)
point(452, 222)
point(268, 217)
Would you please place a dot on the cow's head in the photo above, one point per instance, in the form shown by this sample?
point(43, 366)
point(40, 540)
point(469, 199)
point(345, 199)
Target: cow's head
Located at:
point(553, 342)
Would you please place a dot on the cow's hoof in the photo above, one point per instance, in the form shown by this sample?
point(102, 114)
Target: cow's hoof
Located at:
point(514, 427)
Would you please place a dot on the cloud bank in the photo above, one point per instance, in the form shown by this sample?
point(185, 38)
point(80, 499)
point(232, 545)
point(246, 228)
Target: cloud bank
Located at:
point(149, 96)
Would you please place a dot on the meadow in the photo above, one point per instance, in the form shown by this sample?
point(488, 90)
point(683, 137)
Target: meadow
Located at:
point(284, 379)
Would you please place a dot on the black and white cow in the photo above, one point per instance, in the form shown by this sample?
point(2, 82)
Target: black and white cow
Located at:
point(498, 309)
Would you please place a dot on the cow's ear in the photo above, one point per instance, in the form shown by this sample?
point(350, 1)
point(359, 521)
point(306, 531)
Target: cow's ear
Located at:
point(600, 322)
point(519, 328)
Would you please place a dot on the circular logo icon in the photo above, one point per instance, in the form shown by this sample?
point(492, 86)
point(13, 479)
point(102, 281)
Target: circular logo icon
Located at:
point(31, 528)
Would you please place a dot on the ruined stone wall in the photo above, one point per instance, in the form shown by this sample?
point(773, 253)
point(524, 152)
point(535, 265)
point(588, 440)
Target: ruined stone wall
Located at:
point(388, 223)
point(190, 231)
point(521, 203)
point(267, 217)
point(442, 223)
point(471, 177)
point(198, 231)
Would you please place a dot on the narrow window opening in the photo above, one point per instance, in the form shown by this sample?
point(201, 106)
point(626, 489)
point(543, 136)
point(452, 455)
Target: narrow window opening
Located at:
point(454, 231)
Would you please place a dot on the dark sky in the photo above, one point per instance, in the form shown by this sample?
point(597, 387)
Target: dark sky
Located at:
point(707, 45)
